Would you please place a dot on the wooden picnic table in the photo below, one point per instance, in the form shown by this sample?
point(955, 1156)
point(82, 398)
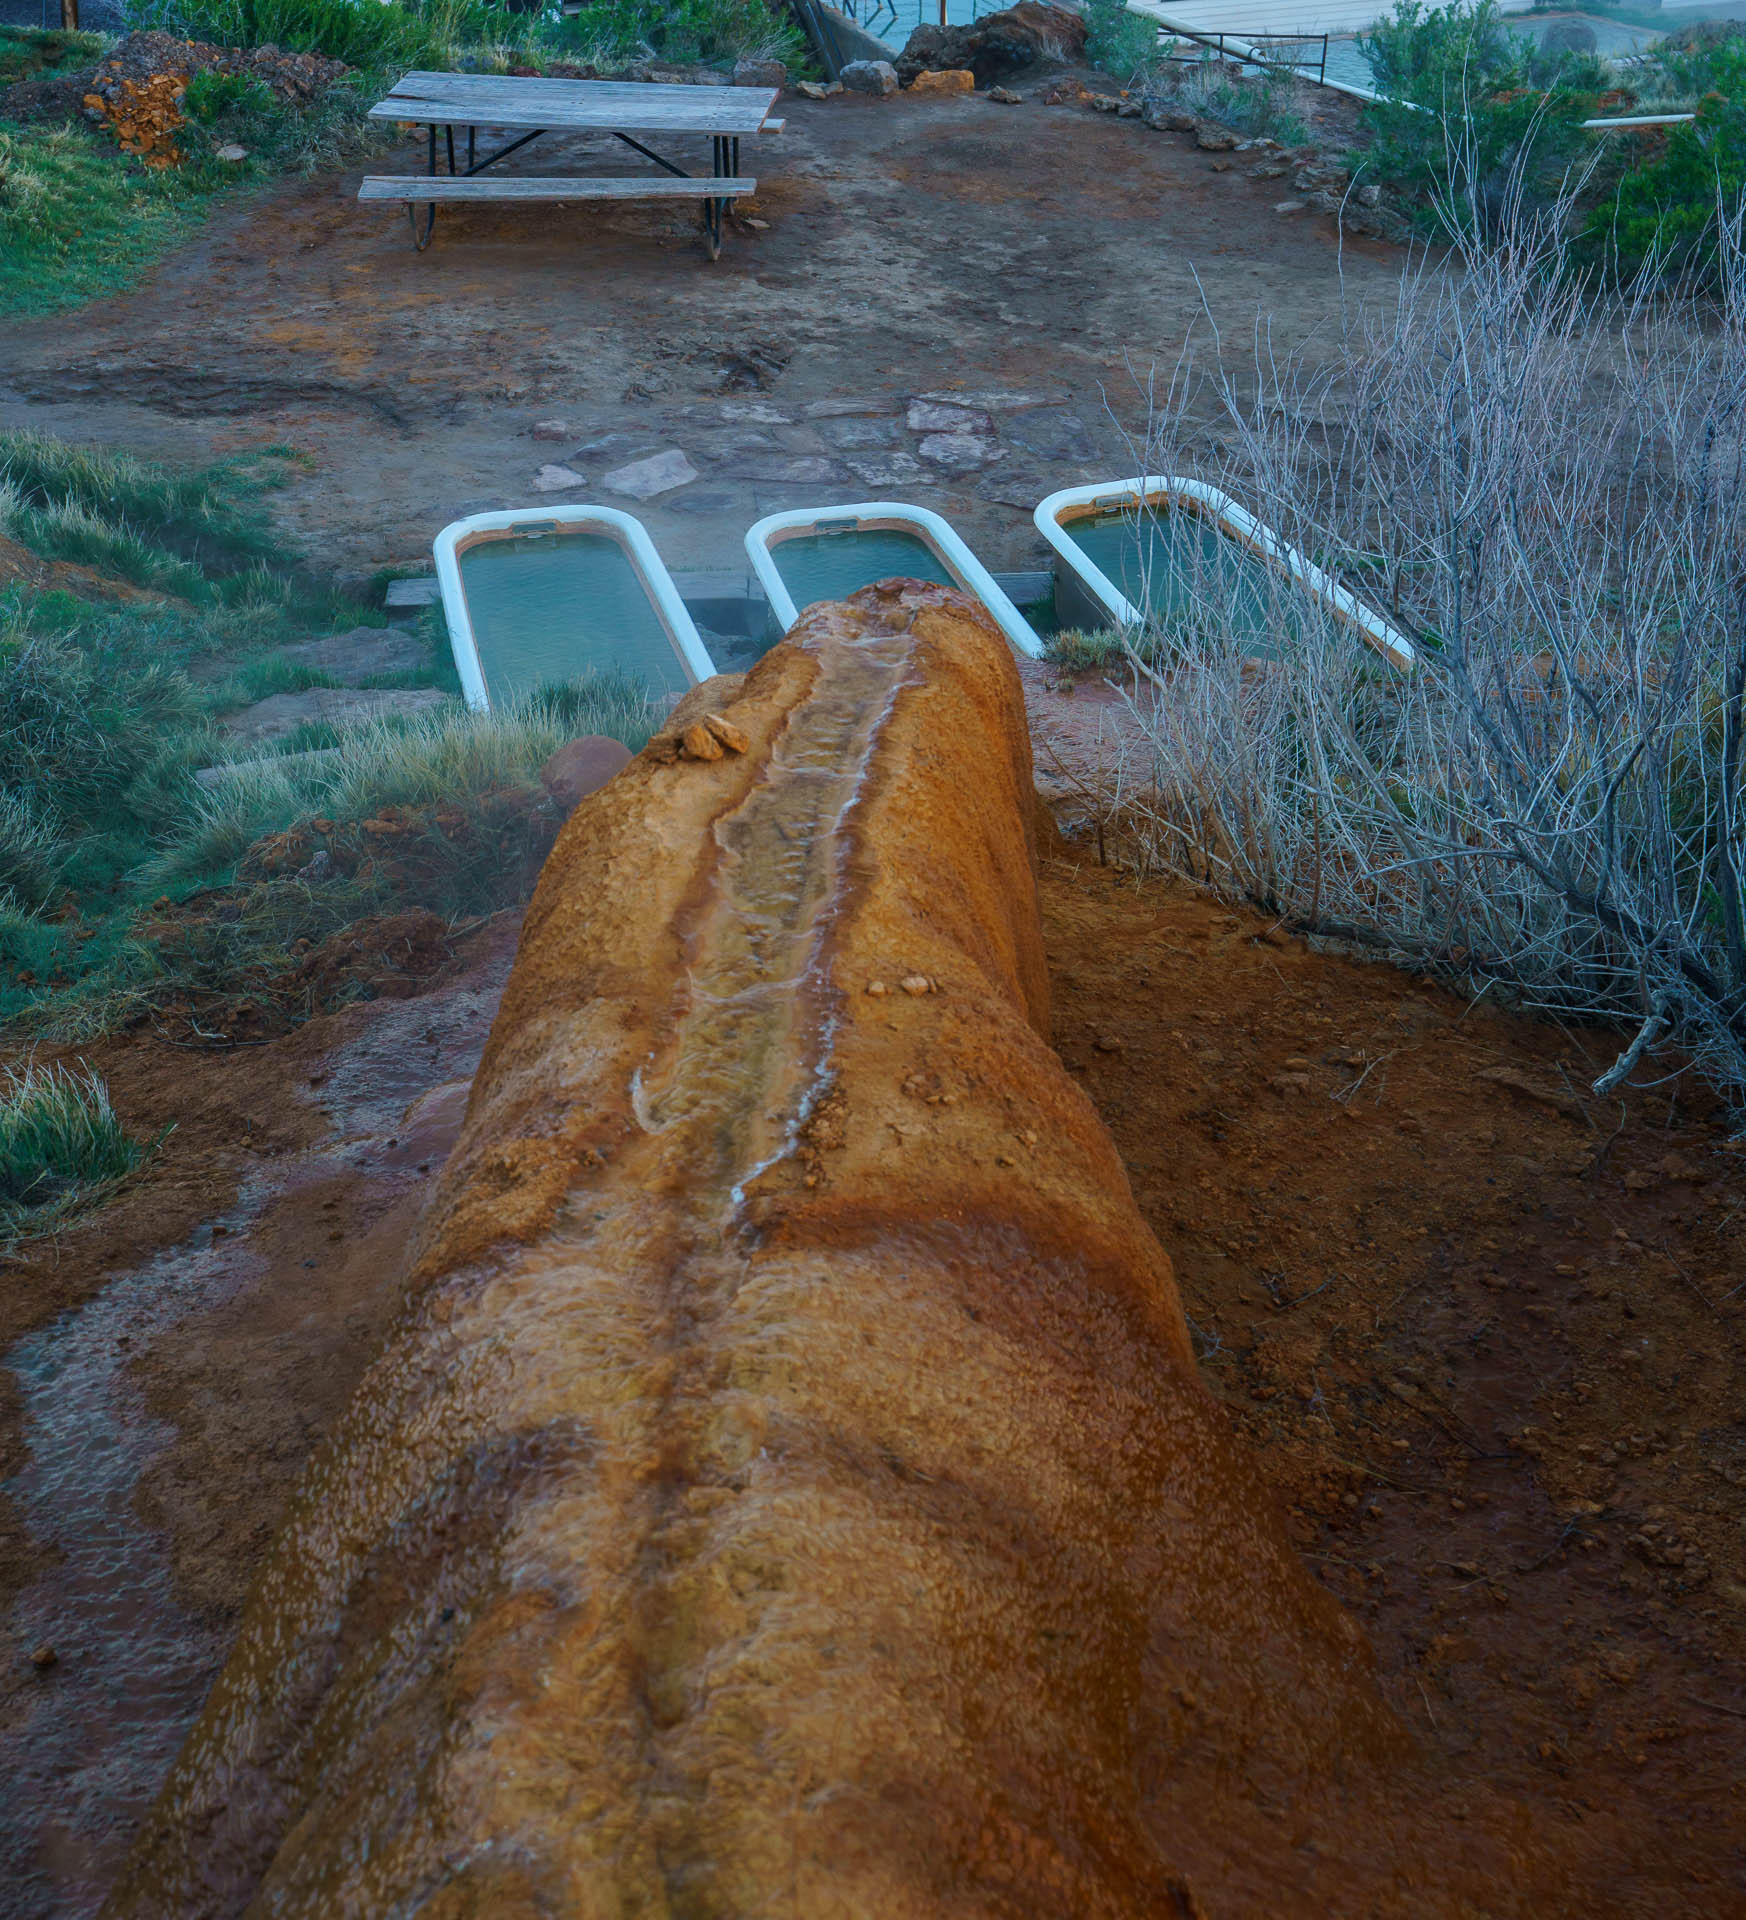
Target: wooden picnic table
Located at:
point(618, 107)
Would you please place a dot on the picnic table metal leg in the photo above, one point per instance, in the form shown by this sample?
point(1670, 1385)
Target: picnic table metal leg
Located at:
point(427, 208)
point(715, 211)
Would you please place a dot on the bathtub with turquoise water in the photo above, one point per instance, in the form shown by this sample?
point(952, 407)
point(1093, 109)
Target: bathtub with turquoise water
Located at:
point(539, 596)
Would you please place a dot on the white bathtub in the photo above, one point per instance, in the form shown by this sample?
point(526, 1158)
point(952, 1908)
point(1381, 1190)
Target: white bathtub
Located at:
point(1095, 592)
point(633, 619)
point(952, 558)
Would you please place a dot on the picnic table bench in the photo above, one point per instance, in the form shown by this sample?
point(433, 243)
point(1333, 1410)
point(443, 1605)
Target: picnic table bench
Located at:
point(619, 107)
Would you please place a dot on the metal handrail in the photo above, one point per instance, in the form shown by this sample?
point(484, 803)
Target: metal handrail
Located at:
point(1243, 49)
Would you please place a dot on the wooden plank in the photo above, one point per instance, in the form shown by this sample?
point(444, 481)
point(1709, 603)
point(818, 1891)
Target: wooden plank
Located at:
point(423, 187)
point(556, 117)
point(773, 126)
point(510, 101)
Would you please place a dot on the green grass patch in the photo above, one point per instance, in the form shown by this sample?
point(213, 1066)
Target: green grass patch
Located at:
point(78, 220)
point(128, 888)
point(138, 520)
point(31, 53)
point(62, 1147)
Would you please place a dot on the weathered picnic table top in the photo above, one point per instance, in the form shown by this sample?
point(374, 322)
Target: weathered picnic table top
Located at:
point(508, 100)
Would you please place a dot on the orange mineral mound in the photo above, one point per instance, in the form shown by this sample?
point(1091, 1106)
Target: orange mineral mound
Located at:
point(787, 1489)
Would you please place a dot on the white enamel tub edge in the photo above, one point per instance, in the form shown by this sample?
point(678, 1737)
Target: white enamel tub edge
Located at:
point(1055, 515)
point(630, 534)
point(968, 573)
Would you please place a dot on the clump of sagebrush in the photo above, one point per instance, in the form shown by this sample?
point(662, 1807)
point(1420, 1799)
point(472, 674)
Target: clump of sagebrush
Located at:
point(1077, 650)
point(62, 1146)
point(1260, 107)
point(1118, 42)
point(455, 759)
point(1544, 488)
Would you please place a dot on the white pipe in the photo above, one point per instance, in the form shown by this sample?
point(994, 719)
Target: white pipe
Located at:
point(1131, 496)
point(626, 529)
point(1640, 120)
point(968, 573)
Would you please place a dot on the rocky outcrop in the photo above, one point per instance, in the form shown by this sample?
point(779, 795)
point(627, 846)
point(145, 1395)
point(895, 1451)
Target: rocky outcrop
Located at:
point(788, 1489)
point(996, 45)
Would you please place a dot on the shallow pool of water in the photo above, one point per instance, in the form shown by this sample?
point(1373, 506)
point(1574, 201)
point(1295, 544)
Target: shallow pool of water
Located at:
point(1187, 574)
point(551, 607)
point(827, 566)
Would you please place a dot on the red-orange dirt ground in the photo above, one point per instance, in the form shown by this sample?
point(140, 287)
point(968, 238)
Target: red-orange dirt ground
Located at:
point(1482, 1331)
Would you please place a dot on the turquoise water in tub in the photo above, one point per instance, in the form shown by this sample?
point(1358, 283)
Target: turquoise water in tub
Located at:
point(553, 607)
point(1189, 576)
point(827, 566)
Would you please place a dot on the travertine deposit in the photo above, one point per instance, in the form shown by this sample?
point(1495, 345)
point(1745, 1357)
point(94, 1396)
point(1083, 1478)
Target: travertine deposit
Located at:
point(787, 1489)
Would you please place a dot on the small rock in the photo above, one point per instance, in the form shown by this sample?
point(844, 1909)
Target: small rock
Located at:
point(1639, 1182)
point(895, 469)
point(644, 479)
point(1053, 433)
point(549, 430)
point(583, 766)
point(1268, 172)
point(284, 713)
point(1109, 1043)
point(231, 153)
point(818, 89)
point(44, 1657)
point(856, 435)
point(877, 988)
point(1004, 96)
point(916, 983)
point(1219, 166)
point(697, 742)
point(320, 868)
point(757, 226)
point(958, 452)
point(877, 77)
point(554, 479)
point(1292, 1083)
point(1104, 103)
point(948, 81)
point(730, 736)
point(1291, 206)
point(926, 416)
point(1370, 196)
point(1163, 118)
point(365, 653)
point(760, 73)
point(755, 413)
point(797, 470)
point(840, 409)
point(1212, 138)
point(1066, 93)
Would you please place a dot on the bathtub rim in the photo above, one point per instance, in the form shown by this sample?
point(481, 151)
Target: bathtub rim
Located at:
point(1234, 519)
point(879, 516)
point(632, 536)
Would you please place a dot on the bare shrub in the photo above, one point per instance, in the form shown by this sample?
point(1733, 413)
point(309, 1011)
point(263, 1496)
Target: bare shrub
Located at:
point(1544, 489)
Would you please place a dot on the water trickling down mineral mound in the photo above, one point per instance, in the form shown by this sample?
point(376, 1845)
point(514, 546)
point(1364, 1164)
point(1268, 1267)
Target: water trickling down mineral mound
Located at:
point(787, 1490)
